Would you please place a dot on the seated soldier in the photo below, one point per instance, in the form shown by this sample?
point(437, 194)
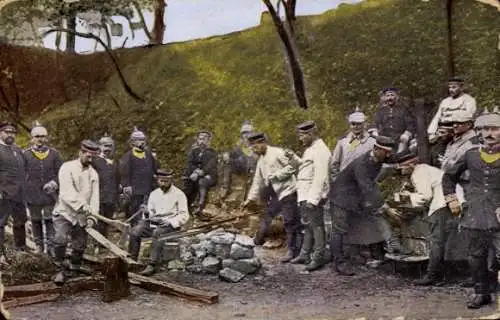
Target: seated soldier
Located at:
point(167, 211)
point(201, 173)
point(241, 160)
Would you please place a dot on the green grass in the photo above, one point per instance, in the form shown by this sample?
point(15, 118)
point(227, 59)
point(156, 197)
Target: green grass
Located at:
point(347, 54)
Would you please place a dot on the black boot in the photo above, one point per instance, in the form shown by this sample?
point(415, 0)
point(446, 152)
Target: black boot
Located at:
point(340, 265)
point(317, 261)
point(493, 281)
point(59, 255)
point(292, 245)
point(76, 265)
point(304, 256)
point(134, 247)
point(49, 233)
point(479, 300)
point(198, 213)
point(226, 180)
point(149, 271)
point(20, 237)
point(37, 229)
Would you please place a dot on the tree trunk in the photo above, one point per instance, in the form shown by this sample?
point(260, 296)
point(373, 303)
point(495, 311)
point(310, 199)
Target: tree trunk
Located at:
point(449, 26)
point(116, 284)
point(159, 24)
point(70, 37)
point(419, 106)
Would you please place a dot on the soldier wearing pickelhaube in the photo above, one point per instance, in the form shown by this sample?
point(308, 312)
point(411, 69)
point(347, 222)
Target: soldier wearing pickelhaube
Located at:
point(109, 180)
point(482, 218)
point(200, 174)
point(137, 174)
point(42, 185)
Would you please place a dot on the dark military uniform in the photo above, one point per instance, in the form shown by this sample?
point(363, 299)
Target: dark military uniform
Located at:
point(206, 160)
point(109, 185)
point(480, 219)
point(393, 121)
point(42, 167)
point(137, 170)
point(12, 185)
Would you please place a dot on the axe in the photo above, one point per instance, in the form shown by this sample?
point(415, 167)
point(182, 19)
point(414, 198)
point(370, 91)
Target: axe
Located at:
point(123, 227)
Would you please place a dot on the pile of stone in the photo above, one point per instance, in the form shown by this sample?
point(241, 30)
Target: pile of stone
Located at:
point(227, 254)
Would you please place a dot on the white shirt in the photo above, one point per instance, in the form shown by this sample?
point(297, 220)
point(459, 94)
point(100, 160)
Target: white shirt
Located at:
point(427, 181)
point(449, 106)
point(313, 177)
point(78, 189)
point(274, 168)
point(171, 206)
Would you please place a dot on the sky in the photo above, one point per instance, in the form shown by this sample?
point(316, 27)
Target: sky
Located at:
point(194, 19)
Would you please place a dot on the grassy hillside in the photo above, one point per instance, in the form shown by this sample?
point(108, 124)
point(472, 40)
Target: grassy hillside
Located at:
point(348, 54)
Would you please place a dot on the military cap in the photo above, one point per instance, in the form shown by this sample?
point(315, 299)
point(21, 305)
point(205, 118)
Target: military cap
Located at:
point(164, 173)
point(488, 119)
point(306, 126)
point(445, 125)
point(246, 127)
point(106, 139)
point(456, 79)
point(205, 132)
point(38, 129)
point(8, 125)
point(405, 157)
point(389, 89)
point(137, 134)
point(385, 143)
point(90, 146)
point(257, 137)
point(461, 116)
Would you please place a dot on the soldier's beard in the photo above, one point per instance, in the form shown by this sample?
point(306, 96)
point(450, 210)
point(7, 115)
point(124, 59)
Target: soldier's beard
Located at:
point(9, 140)
point(165, 188)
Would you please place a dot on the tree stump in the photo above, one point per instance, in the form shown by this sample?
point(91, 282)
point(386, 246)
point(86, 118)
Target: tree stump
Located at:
point(116, 285)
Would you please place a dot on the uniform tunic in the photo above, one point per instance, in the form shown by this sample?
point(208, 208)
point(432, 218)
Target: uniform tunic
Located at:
point(448, 107)
point(394, 121)
point(12, 173)
point(347, 150)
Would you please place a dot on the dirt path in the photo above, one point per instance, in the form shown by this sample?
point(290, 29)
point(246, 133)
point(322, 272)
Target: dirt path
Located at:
point(276, 292)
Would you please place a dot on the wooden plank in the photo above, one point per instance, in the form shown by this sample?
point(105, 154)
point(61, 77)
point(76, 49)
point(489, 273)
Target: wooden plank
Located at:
point(41, 298)
point(173, 289)
point(116, 284)
point(102, 240)
point(72, 286)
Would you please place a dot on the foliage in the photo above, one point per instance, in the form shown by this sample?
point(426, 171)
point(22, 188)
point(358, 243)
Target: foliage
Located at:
point(347, 54)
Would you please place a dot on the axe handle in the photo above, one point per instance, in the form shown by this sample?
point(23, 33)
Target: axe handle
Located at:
point(115, 223)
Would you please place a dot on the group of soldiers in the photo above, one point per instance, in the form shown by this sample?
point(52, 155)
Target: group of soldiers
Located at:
point(461, 182)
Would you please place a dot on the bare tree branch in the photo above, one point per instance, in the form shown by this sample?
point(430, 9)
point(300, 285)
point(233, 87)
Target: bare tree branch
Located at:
point(143, 21)
point(126, 86)
point(292, 55)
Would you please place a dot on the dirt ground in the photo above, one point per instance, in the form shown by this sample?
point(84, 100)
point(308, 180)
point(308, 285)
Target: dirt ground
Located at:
point(278, 291)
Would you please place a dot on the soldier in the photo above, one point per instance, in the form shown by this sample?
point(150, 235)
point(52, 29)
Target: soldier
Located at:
point(274, 171)
point(312, 191)
point(109, 181)
point(457, 100)
point(394, 120)
point(428, 192)
point(167, 212)
point(78, 198)
point(200, 173)
point(137, 170)
point(42, 168)
point(482, 219)
point(353, 145)
point(12, 177)
point(444, 136)
point(355, 192)
point(241, 160)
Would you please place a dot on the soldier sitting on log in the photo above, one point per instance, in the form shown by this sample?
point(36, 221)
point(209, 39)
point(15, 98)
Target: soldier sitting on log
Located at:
point(200, 174)
point(275, 173)
point(482, 218)
point(12, 176)
point(78, 199)
point(167, 212)
point(42, 167)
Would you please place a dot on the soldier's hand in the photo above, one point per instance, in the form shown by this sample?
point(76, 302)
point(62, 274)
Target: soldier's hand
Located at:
point(453, 204)
point(127, 191)
point(193, 176)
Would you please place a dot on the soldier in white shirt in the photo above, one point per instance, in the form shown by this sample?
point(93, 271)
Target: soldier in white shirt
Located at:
point(78, 198)
point(275, 171)
point(457, 100)
point(312, 192)
point(167, 211)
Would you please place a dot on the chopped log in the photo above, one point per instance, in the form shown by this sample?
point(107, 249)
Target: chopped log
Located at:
point(41, 298)
point(116, 284)
point(71, 286)
point(173, 289)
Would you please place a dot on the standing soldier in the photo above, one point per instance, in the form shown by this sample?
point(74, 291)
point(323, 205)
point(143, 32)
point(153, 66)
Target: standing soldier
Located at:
point(78, 198)
point(394, 120)
point(201, 173)
point(482, 219)
point(438, 146)
point(137, 169)
point(312, 192)
point(275, 172)
point(457, 100)
point(42, 168)
point(109, 181)
point(12, 177)
point(355, 193)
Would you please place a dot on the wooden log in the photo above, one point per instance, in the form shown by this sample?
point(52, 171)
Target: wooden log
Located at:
point(116, 284)
point(71, 286)
point(102, 240)
point(41, 298)
point(173, 289)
